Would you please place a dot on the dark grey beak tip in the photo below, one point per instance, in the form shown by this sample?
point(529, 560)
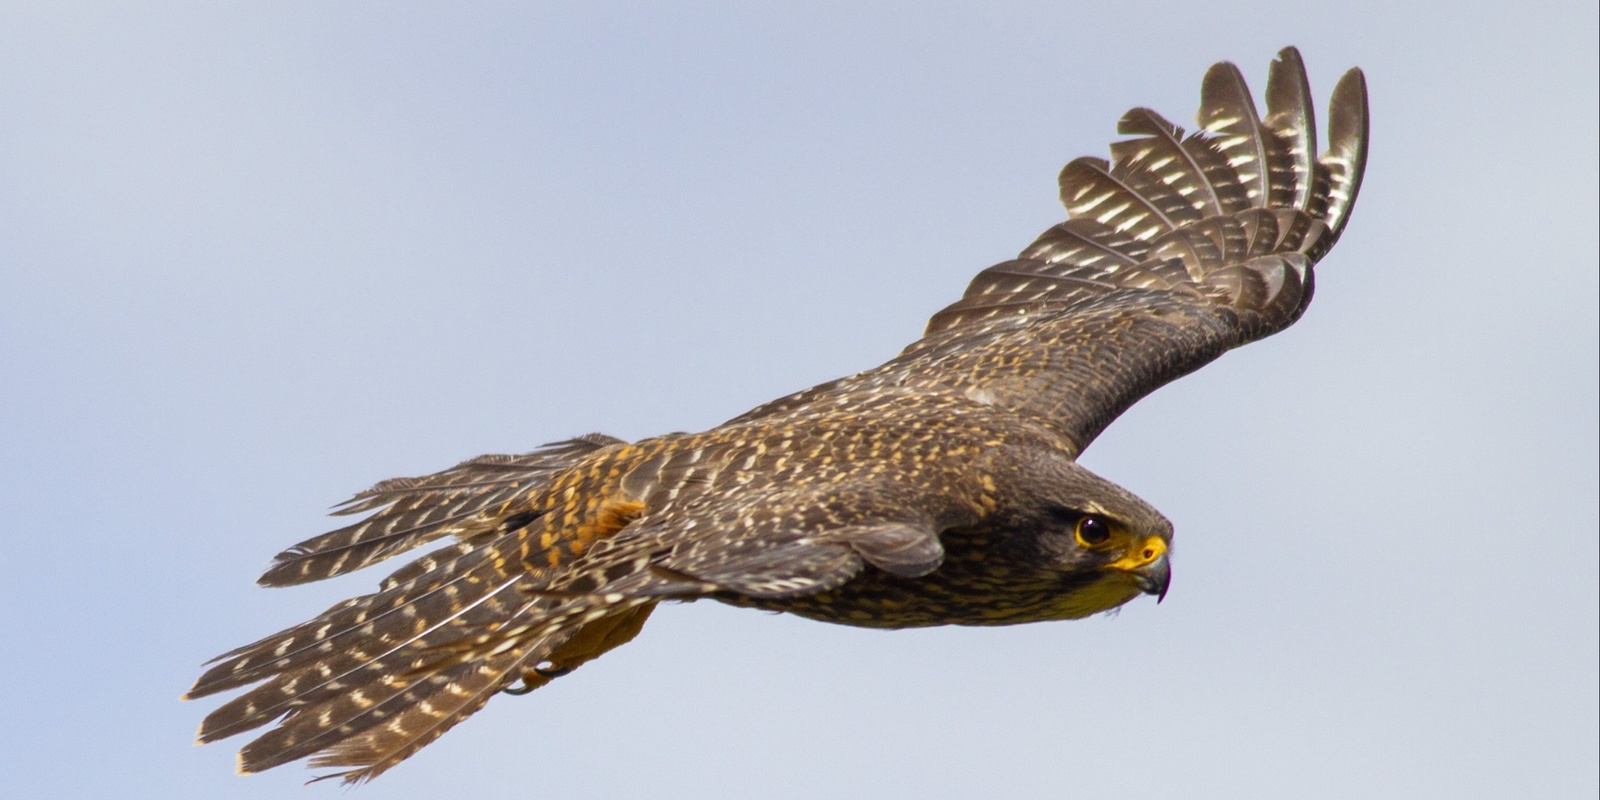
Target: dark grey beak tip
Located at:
point(1155, 579)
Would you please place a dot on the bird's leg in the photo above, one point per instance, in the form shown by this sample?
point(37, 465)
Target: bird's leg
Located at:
point(586, 645)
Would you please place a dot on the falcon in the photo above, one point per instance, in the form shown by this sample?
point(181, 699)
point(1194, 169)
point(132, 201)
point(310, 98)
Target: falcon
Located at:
point(939, 488)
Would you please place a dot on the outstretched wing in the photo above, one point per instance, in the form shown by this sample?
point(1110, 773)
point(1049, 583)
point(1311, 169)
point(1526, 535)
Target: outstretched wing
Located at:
point(410, 512)
point(1179, 248)
point(375, 678)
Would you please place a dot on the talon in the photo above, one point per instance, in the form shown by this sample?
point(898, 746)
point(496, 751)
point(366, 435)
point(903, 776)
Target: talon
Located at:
point(552, 671)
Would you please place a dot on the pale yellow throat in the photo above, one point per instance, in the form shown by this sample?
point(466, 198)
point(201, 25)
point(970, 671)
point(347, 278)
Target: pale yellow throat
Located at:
point(1117, 585)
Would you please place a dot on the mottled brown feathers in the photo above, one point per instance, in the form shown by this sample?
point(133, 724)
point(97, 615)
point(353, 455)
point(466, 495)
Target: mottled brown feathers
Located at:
point(415, 511)
point(929, 490)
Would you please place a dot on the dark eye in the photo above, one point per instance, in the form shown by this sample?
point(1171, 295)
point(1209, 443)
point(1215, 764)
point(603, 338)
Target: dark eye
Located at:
point(1093, 531)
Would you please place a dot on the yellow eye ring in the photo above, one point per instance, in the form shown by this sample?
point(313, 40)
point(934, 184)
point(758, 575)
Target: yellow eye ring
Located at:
point(1092, 531)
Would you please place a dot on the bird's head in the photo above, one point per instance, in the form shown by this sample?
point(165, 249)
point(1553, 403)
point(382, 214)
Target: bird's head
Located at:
point(1108, 545)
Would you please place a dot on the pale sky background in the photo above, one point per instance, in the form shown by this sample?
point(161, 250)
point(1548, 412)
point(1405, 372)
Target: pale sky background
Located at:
point(255, 257)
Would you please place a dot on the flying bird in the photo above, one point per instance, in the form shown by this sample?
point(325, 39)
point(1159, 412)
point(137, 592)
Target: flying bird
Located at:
point(939, 488)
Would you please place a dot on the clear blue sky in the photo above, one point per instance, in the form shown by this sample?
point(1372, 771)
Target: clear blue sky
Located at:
point(255, 258)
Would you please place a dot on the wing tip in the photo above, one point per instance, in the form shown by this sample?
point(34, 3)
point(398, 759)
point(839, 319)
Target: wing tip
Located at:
point(1287, 81)
point(1143, 121)
point(293, 570)
point(283, 573)
point(1289, 57)
point(1224, 96)
point(1289, 87)
point(1291, 115)
point(1348, 113)
point(1349, 129)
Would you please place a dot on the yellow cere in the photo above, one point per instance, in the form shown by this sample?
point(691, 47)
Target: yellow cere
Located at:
point(1143, 556)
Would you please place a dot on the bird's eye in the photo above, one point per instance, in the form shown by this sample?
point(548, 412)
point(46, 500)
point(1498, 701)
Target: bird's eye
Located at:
point(1093, 531)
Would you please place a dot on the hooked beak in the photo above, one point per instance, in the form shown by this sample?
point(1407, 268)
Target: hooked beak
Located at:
point(1153, 578)
point(1149, 567)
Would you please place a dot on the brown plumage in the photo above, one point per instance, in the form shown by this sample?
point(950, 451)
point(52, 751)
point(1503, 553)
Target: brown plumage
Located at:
point(938, 488)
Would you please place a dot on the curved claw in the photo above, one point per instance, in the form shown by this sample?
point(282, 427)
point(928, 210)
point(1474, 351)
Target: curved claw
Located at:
point(540, 675)
point(518, 691)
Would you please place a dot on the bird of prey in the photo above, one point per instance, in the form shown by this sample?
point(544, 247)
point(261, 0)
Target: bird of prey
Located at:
point(939, 488)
